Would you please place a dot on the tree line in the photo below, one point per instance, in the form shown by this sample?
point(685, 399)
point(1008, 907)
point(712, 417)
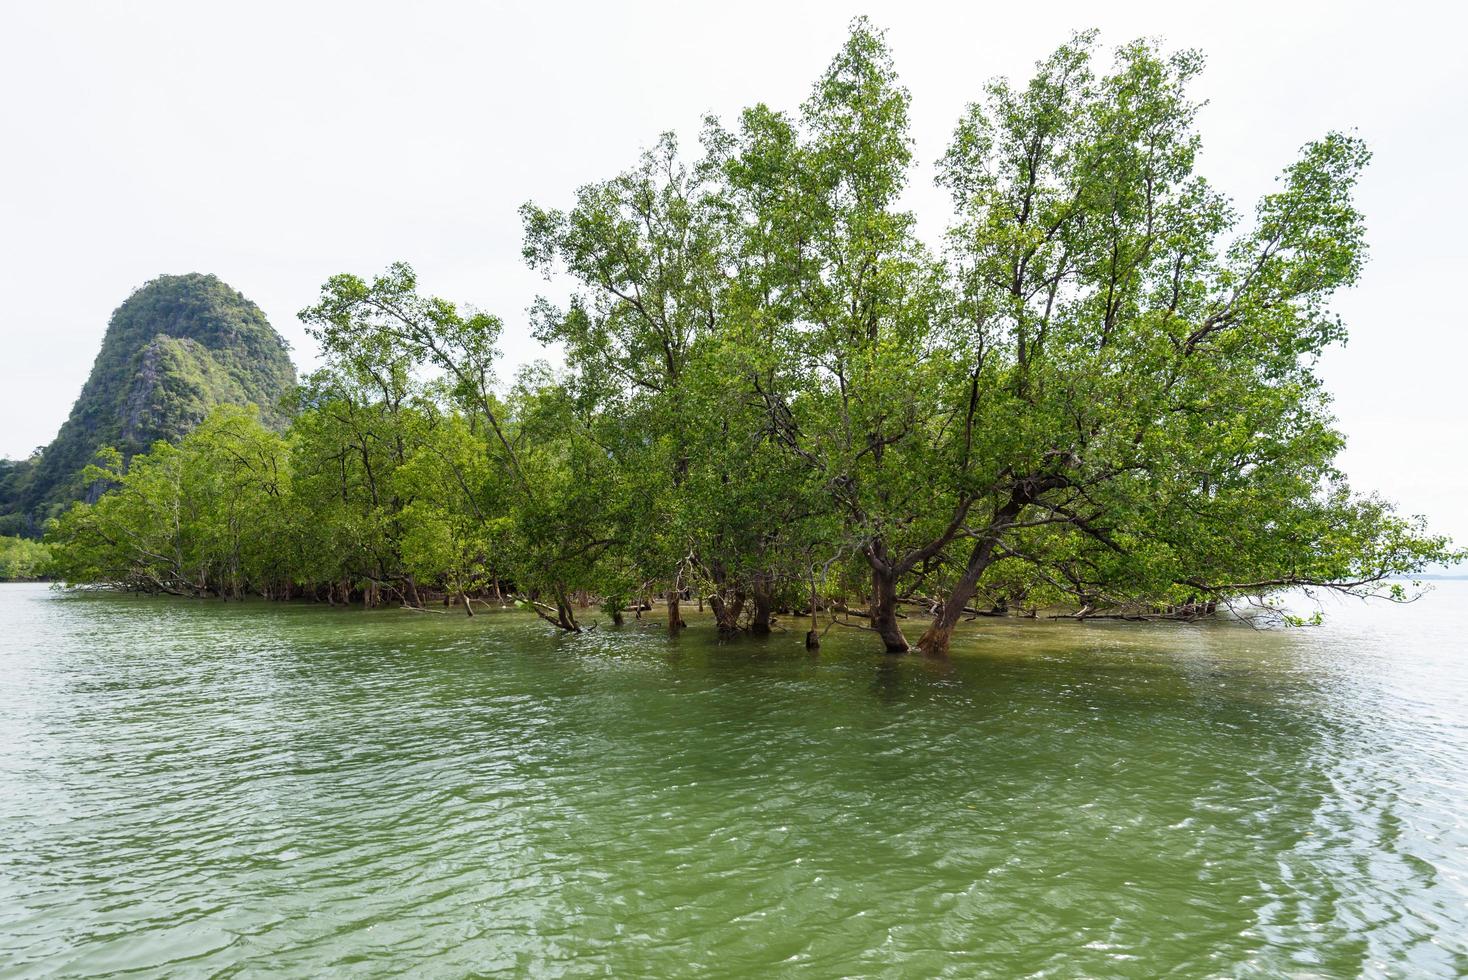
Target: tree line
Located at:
point(1098, 392)
point(22, 560)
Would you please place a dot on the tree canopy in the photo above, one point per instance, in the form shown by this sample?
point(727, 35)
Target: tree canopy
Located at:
point(1097, 393)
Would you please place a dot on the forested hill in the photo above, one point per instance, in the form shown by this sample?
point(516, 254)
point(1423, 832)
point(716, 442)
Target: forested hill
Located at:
point(174, 349)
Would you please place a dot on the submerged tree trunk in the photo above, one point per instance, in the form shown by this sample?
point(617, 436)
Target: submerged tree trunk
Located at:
point(764, 604)
point(934, 640)
point(813, 638)
point(566, 618)
point(883, 609)
point(675, 620)
point(560, 615)
point(727, 612)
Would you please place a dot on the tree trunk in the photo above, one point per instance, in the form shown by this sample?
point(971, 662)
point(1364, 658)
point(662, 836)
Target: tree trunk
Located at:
point(565, 614)
point(764, 603)
point(675, 621)
point(726, 614)
point(813, 638)
point(884, 610)
point(934, 641)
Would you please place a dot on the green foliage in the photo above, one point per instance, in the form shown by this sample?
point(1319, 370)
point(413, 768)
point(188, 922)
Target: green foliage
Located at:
point(1098, 393)
point(22, 560)
point(198, 518)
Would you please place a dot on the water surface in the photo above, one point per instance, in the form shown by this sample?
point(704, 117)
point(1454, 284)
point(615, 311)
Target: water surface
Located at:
point(190, 788)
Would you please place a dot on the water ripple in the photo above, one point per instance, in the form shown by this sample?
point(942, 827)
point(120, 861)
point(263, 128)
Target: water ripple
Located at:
point(196, 789)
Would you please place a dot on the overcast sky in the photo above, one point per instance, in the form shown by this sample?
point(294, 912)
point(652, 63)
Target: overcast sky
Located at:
point(274, 144)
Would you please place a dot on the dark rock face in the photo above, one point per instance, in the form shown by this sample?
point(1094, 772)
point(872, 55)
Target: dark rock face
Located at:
point(176, 348)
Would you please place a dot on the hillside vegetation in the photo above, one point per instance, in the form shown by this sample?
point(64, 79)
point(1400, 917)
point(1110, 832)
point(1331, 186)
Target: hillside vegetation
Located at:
point(173, 350)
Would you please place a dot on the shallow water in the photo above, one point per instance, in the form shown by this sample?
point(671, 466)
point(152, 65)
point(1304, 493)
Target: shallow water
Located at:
point(192, 787)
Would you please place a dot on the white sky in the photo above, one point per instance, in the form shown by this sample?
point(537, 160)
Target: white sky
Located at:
point(274, 144)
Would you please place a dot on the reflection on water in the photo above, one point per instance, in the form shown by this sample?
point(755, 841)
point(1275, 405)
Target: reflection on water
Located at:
point(194, 787)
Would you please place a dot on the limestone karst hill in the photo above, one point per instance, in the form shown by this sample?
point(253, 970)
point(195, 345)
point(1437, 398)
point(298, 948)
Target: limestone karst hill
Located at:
point(174, 349)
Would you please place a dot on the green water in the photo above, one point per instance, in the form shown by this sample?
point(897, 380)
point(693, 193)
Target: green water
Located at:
point(192, 788)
